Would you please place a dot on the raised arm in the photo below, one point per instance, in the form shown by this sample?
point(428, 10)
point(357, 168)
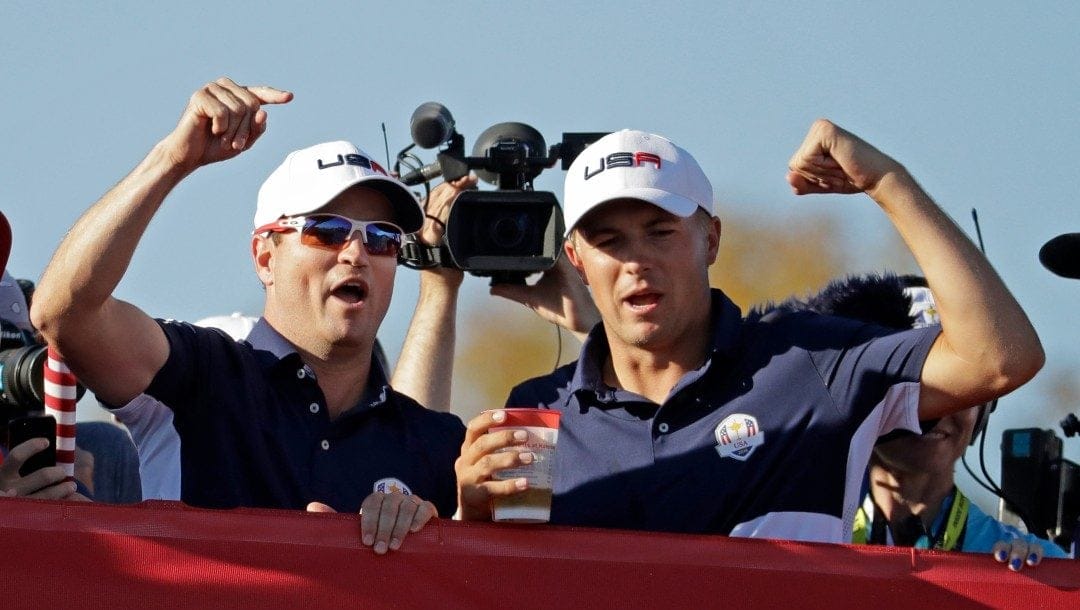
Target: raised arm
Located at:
point(426, 365)
point(112, 346)
point(987, 346)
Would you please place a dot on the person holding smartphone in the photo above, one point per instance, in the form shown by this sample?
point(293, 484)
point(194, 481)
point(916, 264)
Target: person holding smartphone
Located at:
point(47, 483)
point(27, 442)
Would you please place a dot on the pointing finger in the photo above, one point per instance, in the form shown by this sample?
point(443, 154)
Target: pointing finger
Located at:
point(270, 95)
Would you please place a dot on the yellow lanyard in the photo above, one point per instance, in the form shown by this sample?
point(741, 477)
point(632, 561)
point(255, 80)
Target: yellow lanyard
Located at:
point(863, 530)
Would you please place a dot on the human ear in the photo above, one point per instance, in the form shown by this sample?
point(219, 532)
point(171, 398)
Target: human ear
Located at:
point(570, 249)
point(262, 255)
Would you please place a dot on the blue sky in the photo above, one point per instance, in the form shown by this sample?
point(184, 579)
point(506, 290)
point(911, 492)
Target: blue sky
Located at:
point(979, 100)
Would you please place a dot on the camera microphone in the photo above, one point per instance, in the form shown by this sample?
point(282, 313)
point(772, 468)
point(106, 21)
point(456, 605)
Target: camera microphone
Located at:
point(1061, 255)
point(426, 173)
point(431, 125)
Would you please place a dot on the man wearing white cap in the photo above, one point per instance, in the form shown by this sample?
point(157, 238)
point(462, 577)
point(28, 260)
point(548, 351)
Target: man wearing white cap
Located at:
point(682, 416)
point(298, 414)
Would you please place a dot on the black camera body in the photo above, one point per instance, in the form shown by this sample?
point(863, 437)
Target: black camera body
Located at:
point(1044, 486)
point(506, 234)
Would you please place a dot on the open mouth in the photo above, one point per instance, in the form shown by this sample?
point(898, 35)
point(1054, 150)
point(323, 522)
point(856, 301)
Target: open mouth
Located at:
point(351, 292)
point(643, 301)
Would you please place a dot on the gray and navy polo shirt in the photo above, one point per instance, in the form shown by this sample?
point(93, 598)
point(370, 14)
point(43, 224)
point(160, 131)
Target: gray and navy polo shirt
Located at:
point(255, 432)
point(769, 438)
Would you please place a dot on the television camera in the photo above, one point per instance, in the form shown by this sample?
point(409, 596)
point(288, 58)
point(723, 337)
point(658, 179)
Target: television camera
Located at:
point(1041, 487)
point(505, 234)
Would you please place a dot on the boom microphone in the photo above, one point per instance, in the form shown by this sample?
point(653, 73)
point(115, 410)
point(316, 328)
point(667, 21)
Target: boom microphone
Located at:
point(431, 125)
point(1061, 255)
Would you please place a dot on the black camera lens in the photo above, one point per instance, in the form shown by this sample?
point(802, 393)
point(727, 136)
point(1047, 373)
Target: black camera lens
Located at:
point(22, 377)
point(509, 231)
point(22, 370)
point(504, 234)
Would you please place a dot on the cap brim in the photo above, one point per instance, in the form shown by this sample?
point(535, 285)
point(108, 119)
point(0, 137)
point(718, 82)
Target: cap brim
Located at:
point(669, 202)
point(407, 211)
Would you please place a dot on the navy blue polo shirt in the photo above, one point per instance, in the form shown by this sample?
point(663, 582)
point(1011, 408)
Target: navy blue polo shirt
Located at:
point(254, 429)
point(769, 438)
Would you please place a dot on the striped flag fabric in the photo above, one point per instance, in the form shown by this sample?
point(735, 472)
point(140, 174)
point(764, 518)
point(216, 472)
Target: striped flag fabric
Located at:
point(61, 389)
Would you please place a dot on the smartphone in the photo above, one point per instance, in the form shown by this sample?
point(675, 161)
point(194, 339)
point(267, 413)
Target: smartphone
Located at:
point(22, 429)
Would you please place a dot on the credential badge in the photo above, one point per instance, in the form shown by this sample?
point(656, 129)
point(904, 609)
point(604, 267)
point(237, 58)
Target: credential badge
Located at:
point(738, 435)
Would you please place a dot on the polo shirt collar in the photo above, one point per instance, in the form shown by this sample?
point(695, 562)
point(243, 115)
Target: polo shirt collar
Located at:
point(726, 325)
point(264, 337)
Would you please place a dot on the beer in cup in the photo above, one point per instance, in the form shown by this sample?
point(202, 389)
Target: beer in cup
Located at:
point(534, 504)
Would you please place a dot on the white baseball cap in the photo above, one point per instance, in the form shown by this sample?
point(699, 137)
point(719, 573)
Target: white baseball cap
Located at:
point(309, 178)
point(923, 307)
point(236, 325)
point(631, 164)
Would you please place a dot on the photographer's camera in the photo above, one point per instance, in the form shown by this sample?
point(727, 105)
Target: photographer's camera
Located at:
point(22, 370)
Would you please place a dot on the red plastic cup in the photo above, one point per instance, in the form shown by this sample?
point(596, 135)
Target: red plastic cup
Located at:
point(533, 505)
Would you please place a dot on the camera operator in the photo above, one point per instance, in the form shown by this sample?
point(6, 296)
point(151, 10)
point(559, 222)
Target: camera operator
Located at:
point(681, 416)
point(298, 414)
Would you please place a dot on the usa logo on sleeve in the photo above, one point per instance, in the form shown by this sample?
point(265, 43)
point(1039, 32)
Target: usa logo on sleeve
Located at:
point(738, 436)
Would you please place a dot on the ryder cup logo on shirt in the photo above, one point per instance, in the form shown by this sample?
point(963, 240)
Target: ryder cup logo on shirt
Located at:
point(738, 435)
point(391, 485)
point(923, 308)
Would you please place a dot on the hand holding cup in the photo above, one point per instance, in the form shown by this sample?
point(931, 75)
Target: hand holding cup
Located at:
point(506, 465)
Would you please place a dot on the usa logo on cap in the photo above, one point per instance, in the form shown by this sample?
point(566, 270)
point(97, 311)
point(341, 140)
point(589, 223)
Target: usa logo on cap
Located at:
point(738, 436)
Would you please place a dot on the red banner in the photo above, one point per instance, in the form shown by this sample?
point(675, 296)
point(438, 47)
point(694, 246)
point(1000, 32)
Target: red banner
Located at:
point(163, 554)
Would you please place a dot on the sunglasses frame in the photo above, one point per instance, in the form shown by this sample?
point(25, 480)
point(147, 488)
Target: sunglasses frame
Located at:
point(297, 223)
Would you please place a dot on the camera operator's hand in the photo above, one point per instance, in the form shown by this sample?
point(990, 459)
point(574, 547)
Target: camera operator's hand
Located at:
point(437, 210)
point(222, 119)
point(559, 296)
point(1017, 553)
point(44, 484)
point(386, 519)
point(437, 207)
